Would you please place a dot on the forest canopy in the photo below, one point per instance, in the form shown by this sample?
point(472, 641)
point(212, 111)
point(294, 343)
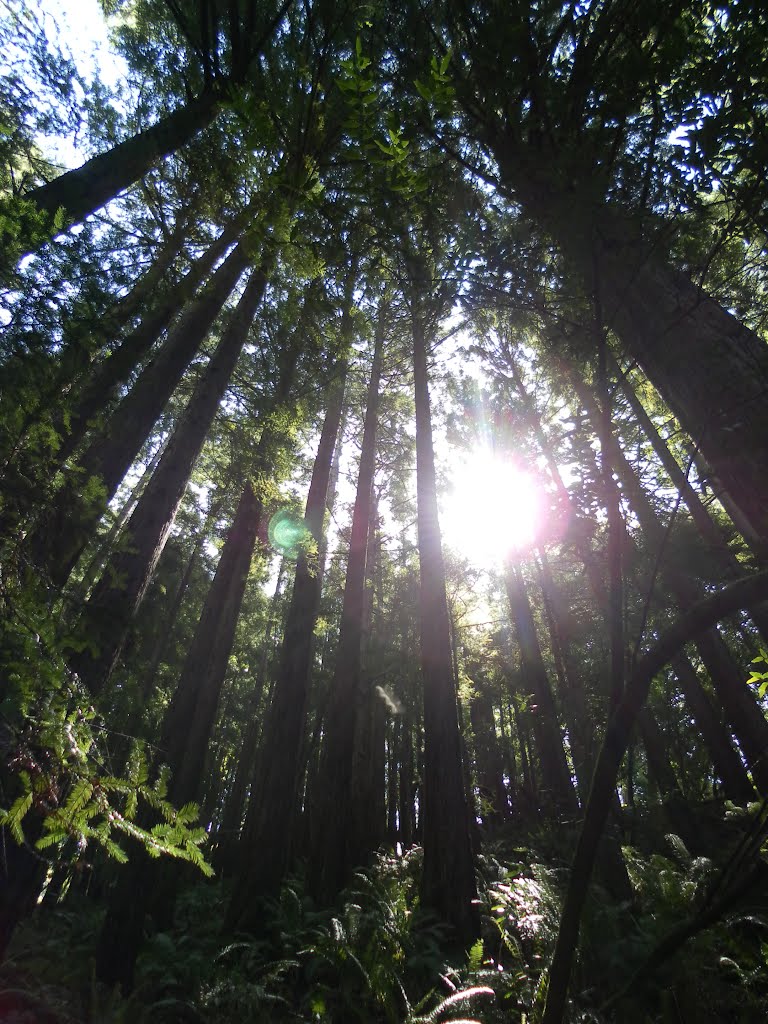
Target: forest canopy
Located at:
point(384, 512)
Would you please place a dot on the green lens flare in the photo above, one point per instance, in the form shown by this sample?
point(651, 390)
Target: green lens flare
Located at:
point(287, 533)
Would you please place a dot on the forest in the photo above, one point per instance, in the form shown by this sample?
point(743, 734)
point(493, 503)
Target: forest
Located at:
point(384, 513)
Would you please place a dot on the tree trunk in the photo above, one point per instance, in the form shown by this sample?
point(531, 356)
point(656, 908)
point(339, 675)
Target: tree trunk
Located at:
point(84, 189)
point(127, 574)
point(185, 735)
point(448, 881)
point(57, 543)
point(728, 767)
point(710, 533)
point(557, 788)
point(488, 760)
point(580, 732)
point(367, 776)
point(275, 793)
point(711, 370)
point(336, 853)
point(109, 541)
point(727, 763)
point(729, 681)
point(98, 393)
point(702, 616)
point(234, 807)
point(406, 806)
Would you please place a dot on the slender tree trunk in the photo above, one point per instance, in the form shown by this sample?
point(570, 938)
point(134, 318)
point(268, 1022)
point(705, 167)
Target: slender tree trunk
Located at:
point(392, 771)
point(368, 813)
point(108, 543)
point(580, 733)
point(488, 758)
point(187, 729)
point(448, 882)
point(555, 775)
point(127, 574)
point(57, 543)
point(232, 816)
point(336, 853)
point(142, 292)
point(99, 391)
point(727, 763)
point(185, 736)
point(275, 793)
point(703, 615)
point(509, 760)
point(529, 779)
point(710, 533)
point(729, 768)
point(407, 787)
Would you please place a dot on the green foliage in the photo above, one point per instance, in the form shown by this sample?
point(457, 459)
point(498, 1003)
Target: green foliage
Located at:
point(56, 792)
point(759, 677)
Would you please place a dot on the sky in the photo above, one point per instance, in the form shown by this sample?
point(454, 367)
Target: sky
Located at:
point(83, 32)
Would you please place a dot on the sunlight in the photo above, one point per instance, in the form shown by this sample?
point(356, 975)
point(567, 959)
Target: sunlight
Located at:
point(491, 510)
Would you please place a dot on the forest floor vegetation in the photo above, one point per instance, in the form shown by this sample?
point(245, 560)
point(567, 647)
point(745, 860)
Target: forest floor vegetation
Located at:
point(379, 958)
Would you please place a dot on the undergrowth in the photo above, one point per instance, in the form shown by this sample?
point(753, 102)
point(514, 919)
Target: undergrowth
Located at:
point(380, 958)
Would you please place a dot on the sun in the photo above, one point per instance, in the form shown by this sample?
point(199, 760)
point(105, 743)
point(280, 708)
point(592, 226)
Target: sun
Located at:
point(492, 509)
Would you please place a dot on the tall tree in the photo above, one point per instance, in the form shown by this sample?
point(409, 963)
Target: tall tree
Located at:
point(448, 882)
point(128, 571)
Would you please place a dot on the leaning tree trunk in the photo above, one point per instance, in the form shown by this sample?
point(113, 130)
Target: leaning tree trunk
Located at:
point(185, 736)
point(84, 189)
point(702, 616)
point(265, 850)
point(113, 603)
point(708, 529)
point(98, 392)
point(710, 369)
point(448, 881)
point(726, 762)
point(580, 731)
point(58, 541)
point(228, 835)
point(741, 708)
point(728, 765)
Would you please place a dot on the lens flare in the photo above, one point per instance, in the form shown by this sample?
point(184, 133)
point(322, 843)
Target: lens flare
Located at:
point(492, 510)
point(287, 533)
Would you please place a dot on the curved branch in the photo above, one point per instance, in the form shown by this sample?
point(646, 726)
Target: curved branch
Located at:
point(702, 616)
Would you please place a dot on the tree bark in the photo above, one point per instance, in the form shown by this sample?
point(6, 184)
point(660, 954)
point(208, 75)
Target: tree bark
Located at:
point(57, 543)
point(127, 574)
point(709, 531)
point(488, 760)
point(726, 762)
point(108, 376)
point(232, 817)
point(85, 189)
point(729, 681)
point(580, 732)
point(185, 735)
point(710, 369)
point(448, 882)
point(275, 796)
point(335, 855)
point(557, 788)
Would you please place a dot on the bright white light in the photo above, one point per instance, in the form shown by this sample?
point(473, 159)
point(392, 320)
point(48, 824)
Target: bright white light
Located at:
point(492, 509)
